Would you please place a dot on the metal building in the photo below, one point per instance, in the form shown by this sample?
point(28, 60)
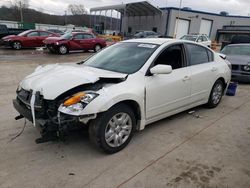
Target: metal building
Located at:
point(175, 22)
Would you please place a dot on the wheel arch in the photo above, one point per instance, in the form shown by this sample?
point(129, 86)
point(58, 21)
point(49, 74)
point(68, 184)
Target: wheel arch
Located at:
point(223, 81)
point(135, 107)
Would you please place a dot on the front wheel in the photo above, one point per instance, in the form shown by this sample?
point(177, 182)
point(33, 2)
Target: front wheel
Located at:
point(112, 130)
point(97, 48)
point(63, 50)
point(216, 94)
point(16, 45)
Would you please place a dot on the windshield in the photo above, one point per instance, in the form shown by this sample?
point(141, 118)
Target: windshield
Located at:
point(123, 57)
point(236, 50)
point(23, 33)
point(140, 34)
point(66, 36)
point(189, 37)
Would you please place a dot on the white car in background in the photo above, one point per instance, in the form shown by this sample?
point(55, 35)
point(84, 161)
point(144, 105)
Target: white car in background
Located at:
point(199, 38)
point(122, 88)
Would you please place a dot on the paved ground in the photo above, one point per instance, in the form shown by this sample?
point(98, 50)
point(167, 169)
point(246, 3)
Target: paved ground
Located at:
point(182, 151)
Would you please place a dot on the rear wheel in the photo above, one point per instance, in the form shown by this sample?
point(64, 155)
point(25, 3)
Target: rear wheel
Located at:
point(216, 94)
point(97, 48)
point(63, 50)
point(16, 45)
point(112, 130)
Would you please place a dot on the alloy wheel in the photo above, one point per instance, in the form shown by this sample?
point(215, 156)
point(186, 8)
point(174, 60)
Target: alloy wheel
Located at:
point(118, 129)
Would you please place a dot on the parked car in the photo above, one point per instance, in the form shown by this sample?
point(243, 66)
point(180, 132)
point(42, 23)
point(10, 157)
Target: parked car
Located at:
point(57, 31)
point(239, 56)
point(202, 39)
point(74, 41)
point(237, 39)
point(5, 31)
point(27, 39)
point(146, 34)
point(122, 88)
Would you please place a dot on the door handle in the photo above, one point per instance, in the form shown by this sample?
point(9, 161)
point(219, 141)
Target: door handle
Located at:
point(214, 69)
point(186, 78)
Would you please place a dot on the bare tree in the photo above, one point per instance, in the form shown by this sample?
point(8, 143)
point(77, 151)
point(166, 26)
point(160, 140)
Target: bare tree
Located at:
point(24, 4)
point(77, 9)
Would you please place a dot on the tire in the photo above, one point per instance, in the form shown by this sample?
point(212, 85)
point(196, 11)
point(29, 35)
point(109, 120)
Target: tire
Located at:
point(63, 50)
point(97, 48)
point(216, 94)
point(110, 136)
point(16, 45)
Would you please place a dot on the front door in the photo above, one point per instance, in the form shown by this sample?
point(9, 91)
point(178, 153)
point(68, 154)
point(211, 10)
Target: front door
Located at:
point(168, 92)
point(31, 39)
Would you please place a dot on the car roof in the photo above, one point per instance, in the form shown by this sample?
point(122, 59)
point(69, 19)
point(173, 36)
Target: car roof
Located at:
point(158, 41)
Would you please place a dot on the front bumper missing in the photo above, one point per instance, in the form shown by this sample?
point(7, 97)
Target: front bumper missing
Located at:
point(55, 127)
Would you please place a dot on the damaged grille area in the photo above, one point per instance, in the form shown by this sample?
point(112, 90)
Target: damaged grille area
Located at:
point(25, 96)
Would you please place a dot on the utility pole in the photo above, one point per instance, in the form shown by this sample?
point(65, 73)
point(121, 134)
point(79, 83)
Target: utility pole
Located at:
point(65, 15)
point(177, 22)
point(21, 11)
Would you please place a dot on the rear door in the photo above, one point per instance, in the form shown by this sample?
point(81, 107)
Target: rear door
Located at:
point(43, 35)
point(203, 71)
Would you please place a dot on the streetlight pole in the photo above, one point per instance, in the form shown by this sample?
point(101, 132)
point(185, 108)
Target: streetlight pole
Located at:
point(177, 23)
point(21, 11)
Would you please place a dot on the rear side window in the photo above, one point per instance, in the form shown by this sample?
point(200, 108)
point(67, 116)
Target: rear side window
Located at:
point(198, 54)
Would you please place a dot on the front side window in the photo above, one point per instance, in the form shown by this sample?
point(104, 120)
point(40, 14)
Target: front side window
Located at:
point(33, 34)
point(197, 54)
point(79, 36)
point(88, 36)
point(125, 57)
point(172, 56)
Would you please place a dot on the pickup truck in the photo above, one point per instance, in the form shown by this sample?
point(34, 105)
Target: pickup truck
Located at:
point(4, 31)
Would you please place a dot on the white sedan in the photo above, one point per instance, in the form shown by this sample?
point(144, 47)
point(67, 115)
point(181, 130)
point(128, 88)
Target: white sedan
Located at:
point(199, 38)
point(122, 89)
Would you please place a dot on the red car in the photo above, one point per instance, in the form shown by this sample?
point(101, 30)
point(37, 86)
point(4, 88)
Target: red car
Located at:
point(27, 39)
point(74, 41)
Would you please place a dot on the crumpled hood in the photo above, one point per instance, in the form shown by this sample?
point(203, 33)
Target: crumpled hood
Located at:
point(53, 80)
point(238, 59)
point(50, 40)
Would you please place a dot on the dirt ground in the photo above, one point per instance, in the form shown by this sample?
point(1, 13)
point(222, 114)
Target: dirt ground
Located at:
point(210, 148)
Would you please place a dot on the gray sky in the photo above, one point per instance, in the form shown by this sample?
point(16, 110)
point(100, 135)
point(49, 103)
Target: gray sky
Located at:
point(234, 7)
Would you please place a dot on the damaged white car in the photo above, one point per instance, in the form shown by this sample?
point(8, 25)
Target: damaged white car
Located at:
point(122, 89)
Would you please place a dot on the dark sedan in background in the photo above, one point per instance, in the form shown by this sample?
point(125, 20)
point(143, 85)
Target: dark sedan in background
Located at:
point(74, 41)
point(27, 39)
point(239, 56)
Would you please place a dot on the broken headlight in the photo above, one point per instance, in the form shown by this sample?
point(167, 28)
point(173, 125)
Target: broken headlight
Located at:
point(77, 102)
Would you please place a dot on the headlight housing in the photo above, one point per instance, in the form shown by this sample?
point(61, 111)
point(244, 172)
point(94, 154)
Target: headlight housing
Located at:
point(246, 67)
point(77, 102)
point(57, 43)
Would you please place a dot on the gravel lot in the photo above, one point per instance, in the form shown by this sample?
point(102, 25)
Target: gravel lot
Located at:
point(210, 148)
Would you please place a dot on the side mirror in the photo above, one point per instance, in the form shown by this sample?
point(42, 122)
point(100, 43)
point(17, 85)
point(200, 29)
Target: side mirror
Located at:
point(223, 56)
point(161, 69)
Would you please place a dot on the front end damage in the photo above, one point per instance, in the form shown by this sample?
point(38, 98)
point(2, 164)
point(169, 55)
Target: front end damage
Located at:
point(53, 118)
